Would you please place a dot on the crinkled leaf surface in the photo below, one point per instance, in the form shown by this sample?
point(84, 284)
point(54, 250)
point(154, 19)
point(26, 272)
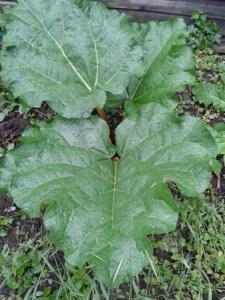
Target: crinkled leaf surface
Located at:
point(168, 62)
point(55, 51)
point(173, 146)
point(209, 93)
point(98, 210)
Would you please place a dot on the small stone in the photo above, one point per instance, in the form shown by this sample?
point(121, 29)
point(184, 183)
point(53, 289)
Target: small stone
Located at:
point(9, 209)
point(213, 116)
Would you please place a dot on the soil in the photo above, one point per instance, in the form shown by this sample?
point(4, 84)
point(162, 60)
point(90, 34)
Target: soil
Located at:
point(188, 105)
point(11, 128)
point(15, 123)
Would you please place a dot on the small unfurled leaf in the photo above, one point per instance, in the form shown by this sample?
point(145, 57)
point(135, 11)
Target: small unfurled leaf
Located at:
point(55, 51)
point(100, 210)
point(210, 94)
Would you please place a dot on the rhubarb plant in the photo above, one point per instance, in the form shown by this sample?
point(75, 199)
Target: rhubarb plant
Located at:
point(101, 198)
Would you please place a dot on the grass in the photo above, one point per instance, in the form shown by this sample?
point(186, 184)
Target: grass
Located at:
point(36, 271)
point(195, 263)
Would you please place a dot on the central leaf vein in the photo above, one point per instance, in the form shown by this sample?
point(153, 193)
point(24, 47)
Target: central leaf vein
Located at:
point(114, 192)
point(59, 47)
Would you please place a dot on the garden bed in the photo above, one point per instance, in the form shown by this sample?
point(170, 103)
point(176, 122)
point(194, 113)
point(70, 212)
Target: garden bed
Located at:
point(186, 264)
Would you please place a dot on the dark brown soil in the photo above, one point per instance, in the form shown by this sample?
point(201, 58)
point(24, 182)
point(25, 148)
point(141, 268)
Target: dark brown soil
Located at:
point(15, 123)
point(43, 113)
point(5, 202)
point(189, 106)
point(21, 228)
point(11, 129)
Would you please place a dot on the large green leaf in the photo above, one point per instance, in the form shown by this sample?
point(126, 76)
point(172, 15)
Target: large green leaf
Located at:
point(56, 52)
point(168, 62)
point(100, 210)
point(210, 94)
point(173, 145)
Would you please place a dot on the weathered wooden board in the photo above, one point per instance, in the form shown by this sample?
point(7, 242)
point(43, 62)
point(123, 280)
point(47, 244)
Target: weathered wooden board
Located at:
point(214, 9)
point(164, 9)
point(5, 3)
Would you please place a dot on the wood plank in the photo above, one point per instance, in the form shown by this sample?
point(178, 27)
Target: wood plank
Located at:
point(5, 3)
point(214, 9)
point(141, 16)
